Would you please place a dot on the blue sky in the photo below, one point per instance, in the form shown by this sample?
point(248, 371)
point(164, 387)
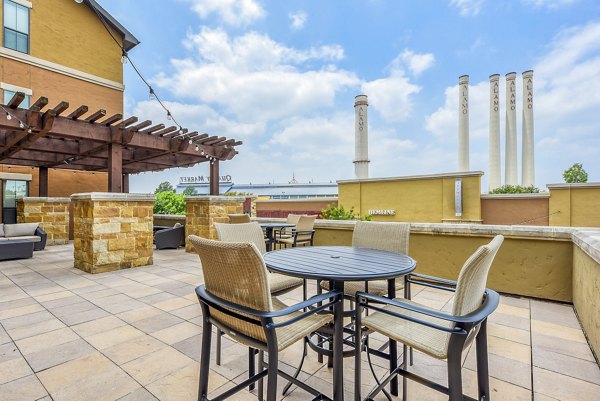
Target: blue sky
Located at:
point(282, 75)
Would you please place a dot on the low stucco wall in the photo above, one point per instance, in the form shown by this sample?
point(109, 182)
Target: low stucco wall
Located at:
point(533, 261)
point(586, 285)
point(283, 207)
point(575, 205)
point(514, 209)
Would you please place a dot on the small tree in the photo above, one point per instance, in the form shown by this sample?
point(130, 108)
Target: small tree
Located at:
point(190, 191)
point(575, 174)
point(333, 212)
point(169, 203)
point(164, 187)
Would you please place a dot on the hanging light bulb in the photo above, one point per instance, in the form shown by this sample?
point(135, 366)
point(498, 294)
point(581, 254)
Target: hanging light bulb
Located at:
point(29, 130)
point(202, 152)
point(21, 125)
point(152, 95)
point(190, 141)
point(124, 57)
point(8, 117)
point(197, 148)
point(180, 130)
point(169, 116)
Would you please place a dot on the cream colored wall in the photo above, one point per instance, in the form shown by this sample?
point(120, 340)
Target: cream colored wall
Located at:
point(414, 200)
point(586, 297)
point(575, 206)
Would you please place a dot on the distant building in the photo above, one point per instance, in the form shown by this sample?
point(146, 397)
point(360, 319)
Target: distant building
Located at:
point(290, 190)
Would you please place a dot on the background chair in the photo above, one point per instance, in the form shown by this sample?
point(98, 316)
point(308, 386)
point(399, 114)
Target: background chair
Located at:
point(170, 238)
point(286, 232)
point(236, 298)
point(440, 335)
point(238, 218)
point(303, 233)
point(251, 232)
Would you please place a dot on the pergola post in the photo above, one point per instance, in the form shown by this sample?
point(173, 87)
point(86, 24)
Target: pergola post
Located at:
point(214, 177)
point(43, 182)
point(125, 183)
point(115, 167)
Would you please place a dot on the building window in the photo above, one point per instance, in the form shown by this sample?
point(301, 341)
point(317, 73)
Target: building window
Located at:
point(16, 26)
point(8, 95)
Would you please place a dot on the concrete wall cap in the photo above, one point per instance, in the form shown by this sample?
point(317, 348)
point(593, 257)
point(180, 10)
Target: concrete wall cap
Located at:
point(35, 199)
point(299, 200)
point(416, 177)
point(113, 196)
point(589, 242)
point(574, 185)
point(516, 196)
point(177, 217)
point(210, 198)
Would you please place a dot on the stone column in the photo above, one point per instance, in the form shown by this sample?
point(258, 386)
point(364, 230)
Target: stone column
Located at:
point(361, 137)
point(201, 212)
point(51, 213)
point(495, 178)
point(112, 231)
point(463, 123)
point(528, 167)
point(510, 167)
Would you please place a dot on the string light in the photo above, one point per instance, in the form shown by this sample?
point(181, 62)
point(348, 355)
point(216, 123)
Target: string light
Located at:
point(152, 95)
point(29, 130)
point(190, 141)
point(21, 125)
point(8, 117)
point(197, 148)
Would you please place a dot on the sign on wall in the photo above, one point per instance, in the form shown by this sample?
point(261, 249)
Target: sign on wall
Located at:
point(377, 212)
point(458, 197)
point(199, 179)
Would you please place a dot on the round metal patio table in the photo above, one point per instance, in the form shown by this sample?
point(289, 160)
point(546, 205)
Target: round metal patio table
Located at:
point(338, 264)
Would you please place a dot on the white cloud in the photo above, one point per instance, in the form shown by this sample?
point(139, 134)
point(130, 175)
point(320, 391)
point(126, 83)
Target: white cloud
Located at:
point(550, 4)
point(231, 12)
point(256, 78)
point(467, 7)
point(391, 96)
point(298, 19)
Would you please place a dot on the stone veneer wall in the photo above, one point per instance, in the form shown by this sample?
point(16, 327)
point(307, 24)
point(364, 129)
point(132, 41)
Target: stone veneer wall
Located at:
point(51, 213)
point(112, 231)
point(201, 212)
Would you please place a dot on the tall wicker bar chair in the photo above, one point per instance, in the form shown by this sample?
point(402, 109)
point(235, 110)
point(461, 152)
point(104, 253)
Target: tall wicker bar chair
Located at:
point(236, 298)
point(238, 218)
point(251, 232)
point(304, 232)
point(440, 335)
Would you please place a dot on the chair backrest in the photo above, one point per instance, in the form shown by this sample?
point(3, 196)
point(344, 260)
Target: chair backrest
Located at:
point(245, 232)
point(473, 277)
point(236, 273)
point(305, 223)
point(238, 218)
point(291, 219)
point(392, 237)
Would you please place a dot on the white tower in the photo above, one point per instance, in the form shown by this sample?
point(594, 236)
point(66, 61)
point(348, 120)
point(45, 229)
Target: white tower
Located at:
point(495, 179)
point(361, 137)
point(528, 168)
point(510, 167)
point(463, 123)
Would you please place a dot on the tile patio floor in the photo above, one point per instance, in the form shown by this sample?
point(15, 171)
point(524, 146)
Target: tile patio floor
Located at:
point(135, 335)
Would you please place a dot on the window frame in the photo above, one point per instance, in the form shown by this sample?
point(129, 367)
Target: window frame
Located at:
point(27, 98)
point(17, 4)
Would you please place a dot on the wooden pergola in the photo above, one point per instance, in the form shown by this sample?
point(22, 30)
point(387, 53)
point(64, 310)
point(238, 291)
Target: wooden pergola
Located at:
point(45, 138)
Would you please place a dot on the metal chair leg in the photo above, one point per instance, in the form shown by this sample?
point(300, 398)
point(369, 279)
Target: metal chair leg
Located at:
point(261, 367)
point(251, 366)
point(357, 355)
point(204, 360)
point(483, 377)
point(299, 368)
point(454, 376)
point(272, 375)
point(219, 335)
point(404, 380)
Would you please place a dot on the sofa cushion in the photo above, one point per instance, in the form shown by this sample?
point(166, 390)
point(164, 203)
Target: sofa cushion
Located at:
point(3, 239)
point(177, 225)
point(1, 230)
point(32, 238)
point(20, 230)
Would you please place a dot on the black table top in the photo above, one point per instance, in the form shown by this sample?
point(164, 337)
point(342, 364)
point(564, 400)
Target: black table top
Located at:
point(339, 263)
point(275, 225)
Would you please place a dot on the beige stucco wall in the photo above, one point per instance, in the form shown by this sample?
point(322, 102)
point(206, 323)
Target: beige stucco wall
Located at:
point(414, 199)
point(575, 205)
point(529, 263)
point(522, 209)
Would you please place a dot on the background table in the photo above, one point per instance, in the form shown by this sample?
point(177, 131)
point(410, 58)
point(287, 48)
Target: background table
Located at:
point(338, 264)
point(269, 227)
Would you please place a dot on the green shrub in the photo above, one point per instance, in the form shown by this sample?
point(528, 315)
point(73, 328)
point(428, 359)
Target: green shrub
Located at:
point(165, 186)
point(333, 212)
point(515, 189)
point(169, 203)
point(575, 174)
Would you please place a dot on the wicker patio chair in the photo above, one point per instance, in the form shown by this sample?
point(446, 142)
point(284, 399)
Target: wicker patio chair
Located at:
point(236, 298)
point(238, 218)
point(286, 232)
point(392, 237)
point(170, 238)
point(251, 232)
point(438, 334)
point(302, 234)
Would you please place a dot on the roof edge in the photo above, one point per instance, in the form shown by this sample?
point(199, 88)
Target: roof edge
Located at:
point(129, 41)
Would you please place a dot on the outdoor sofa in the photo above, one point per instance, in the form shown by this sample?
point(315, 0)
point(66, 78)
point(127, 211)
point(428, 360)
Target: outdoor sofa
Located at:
point(14, 240)
point(170, 238)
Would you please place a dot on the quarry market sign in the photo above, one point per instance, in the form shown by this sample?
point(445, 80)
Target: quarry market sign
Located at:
point(199, 179)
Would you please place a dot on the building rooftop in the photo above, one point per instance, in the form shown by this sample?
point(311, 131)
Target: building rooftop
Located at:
point(135, 335)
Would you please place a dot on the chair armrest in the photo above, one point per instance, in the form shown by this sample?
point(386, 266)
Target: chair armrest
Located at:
point(489, 305)
point(431, 281)
point(43, 238)
point(243, 312)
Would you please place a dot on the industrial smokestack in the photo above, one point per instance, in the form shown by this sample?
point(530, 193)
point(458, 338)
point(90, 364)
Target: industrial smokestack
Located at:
point(528, 168)
point(495, 179)
point(510, 167)
point(361, 137)
point(463, 123)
